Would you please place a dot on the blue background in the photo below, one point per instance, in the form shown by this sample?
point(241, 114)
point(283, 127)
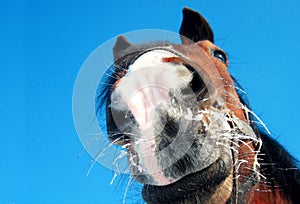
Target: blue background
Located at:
point(44, 43)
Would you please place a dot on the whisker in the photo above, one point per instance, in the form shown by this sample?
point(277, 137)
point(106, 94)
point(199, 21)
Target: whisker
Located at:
point(104, 83)
point(259, 120)
point(111, 75)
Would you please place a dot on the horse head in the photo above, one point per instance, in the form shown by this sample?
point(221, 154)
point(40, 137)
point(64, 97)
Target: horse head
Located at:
point(188, 132)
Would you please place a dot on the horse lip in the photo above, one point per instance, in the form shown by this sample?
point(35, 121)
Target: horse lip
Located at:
point(189, 184)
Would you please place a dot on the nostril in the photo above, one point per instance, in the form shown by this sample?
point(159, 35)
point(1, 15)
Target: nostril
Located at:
point(197, 84)
point(171, 127)
point(171, 130)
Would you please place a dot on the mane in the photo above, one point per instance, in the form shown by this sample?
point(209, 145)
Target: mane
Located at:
point(276, 163)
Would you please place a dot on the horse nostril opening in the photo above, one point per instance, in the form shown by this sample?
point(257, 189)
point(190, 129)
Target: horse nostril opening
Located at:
point(197, 85)
point(171, 127)
point(171, 130)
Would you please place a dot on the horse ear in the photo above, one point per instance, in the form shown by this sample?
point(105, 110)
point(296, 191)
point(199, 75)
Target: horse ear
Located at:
point(121, 44)
point(194, 27)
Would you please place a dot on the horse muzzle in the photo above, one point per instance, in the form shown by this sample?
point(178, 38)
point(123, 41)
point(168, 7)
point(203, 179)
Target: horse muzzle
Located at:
point(165, 112)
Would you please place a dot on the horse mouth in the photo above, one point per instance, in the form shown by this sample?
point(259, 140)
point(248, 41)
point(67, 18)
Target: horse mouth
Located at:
point(187, 188)
point(169, 120)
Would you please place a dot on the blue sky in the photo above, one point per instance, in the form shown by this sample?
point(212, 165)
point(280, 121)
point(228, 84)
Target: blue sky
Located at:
point(44, 44)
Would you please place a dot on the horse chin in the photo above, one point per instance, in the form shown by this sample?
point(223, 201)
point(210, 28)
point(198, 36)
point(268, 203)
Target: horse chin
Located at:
point(186, 189)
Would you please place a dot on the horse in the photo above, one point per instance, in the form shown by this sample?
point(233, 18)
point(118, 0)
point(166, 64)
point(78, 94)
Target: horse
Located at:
point(187, 126)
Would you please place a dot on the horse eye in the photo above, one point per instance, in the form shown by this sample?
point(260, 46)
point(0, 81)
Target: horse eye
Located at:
point(220, 55)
